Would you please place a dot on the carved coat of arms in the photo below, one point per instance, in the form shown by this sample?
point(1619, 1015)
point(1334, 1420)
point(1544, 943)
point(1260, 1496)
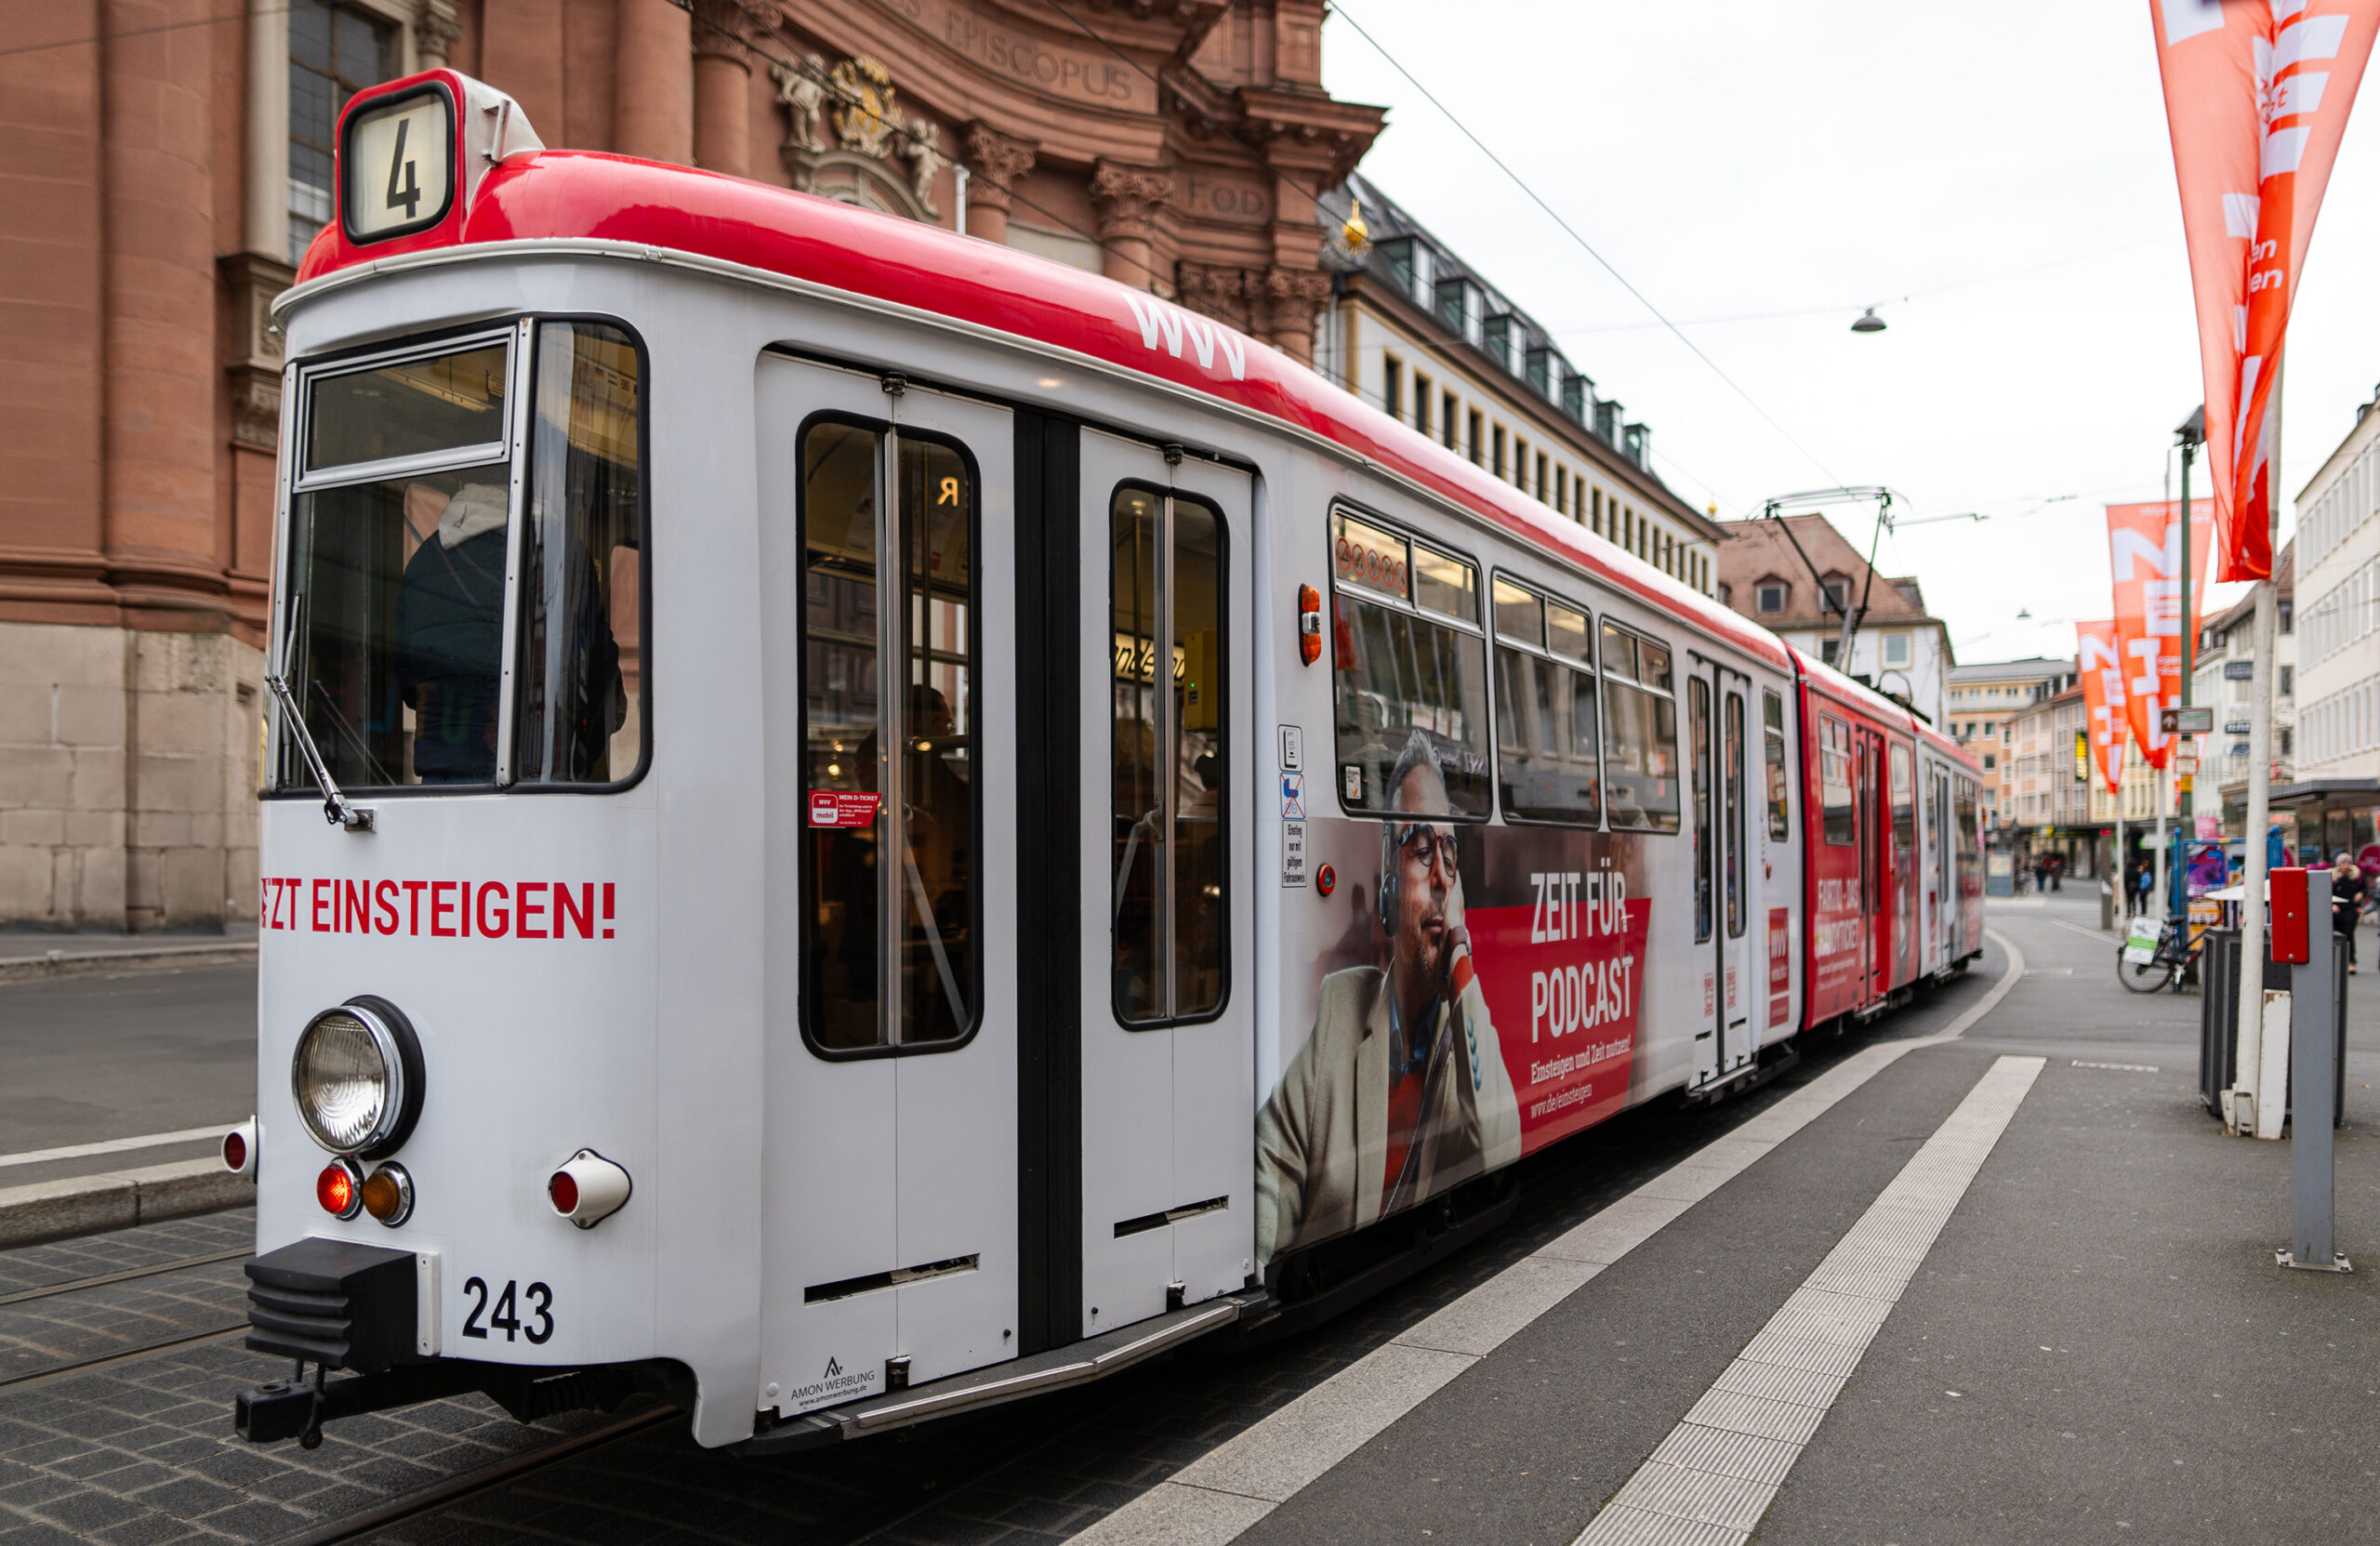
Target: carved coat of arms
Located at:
point(866, 115)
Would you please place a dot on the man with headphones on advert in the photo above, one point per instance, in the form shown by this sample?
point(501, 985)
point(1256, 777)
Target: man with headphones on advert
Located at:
point(1401, 1090)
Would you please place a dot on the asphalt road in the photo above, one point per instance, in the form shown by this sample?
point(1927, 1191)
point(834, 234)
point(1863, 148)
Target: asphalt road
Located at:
point(121, 1056)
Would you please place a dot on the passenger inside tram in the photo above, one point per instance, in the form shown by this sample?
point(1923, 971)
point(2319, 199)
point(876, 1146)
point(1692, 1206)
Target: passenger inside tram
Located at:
point(450, 632)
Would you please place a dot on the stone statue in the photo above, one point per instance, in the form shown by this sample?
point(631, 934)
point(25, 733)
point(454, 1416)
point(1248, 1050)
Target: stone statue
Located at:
point(801, 88)
point(923, 147)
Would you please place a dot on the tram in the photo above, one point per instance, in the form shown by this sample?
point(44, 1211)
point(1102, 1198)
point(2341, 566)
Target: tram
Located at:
point(859, 824)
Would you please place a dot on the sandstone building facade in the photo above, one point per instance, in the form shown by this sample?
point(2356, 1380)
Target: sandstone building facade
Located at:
point(164, 163)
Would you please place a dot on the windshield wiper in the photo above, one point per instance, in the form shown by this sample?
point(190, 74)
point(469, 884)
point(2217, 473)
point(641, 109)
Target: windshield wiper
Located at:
point(337, 809)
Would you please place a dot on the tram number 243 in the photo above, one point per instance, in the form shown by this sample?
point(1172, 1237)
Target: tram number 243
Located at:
point(506, 1316)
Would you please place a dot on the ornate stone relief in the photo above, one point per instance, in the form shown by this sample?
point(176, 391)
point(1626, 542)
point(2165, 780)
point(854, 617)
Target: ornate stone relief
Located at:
point(253, 377)
point(863, 110)
point(802, 90)
point(1126, 197)
point(995, 161)
point(867, 111)
point(435, 31)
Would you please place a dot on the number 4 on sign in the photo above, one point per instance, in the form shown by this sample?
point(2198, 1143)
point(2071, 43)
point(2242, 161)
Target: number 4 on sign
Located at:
point(408, 197)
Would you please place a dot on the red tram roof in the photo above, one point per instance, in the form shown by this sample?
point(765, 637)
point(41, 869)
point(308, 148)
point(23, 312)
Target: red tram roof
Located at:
point(588, 195)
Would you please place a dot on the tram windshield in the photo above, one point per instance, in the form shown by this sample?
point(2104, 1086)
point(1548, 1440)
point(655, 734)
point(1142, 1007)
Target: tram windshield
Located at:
point(401, 536)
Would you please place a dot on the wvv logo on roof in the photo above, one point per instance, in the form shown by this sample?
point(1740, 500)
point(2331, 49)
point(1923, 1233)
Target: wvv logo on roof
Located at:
point(1162, 320)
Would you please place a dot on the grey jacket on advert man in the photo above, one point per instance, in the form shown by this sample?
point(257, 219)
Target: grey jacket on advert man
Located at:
point(1322, 1140)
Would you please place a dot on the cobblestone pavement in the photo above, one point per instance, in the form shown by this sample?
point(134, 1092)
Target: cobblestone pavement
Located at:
point(140, 1450)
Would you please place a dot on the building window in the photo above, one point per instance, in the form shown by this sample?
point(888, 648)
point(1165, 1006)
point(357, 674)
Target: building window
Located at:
point(2288, 681)
point(1989, 761)
point(1562, 489)
point(333, 54)
point(1826, 648)
point(1421, 402)
point(1540, 480)
point(1445, 421)
point(1768, 598)
point(1478, 433)
point(1520, 464)
point(1594, 507)
point(1628, 529)
point(1987, 727)
point(1392, 388)
point(1838, 592)
point(1895, 649)
point(1498, 467)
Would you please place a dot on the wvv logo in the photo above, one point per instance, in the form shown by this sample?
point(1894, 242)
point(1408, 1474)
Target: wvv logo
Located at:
point(1164, 321)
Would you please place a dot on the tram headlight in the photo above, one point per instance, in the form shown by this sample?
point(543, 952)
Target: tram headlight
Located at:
point(356, 1078)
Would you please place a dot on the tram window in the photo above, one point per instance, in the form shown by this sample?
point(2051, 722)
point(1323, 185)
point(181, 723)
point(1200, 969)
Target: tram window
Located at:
point(1904, 789)
point(1640, 734)
point(1697, 721)
point(393, 627)
point(1772, 715)
point(1170, 906)
point(1409, 661)
point(410, 408)
point(888, 730)
point(1835, 782)
point(1545, 709)
point(578, 712)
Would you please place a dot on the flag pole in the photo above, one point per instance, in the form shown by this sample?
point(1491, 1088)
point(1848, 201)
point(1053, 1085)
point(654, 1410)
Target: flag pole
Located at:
point(2266, 1103)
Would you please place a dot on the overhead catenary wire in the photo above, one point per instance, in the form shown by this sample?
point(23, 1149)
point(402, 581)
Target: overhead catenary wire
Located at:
point(1588, 247)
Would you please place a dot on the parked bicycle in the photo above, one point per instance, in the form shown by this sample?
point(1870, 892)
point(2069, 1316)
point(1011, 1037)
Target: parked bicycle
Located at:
point(2171, 962)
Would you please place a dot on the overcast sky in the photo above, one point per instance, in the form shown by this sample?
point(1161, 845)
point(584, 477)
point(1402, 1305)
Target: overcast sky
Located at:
point(2004, 166)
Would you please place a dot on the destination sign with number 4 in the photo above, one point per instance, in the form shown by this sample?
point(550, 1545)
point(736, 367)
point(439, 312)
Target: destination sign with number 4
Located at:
point(400, 166)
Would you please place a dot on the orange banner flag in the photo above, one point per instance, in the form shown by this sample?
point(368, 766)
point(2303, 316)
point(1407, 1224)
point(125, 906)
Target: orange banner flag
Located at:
point(2098, 656)
point(2144, 556)
point(2256, 96)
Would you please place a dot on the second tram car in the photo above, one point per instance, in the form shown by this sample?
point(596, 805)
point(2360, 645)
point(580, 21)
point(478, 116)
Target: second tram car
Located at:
point(907, 825)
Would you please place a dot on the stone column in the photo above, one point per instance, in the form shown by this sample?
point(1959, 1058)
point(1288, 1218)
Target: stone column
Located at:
point(1125, 199)
point(521, 54)
point(435, 33)
point(158, 473)
point(994, 161)
point(722, 89)
point(1290, 300)
point(654, 113)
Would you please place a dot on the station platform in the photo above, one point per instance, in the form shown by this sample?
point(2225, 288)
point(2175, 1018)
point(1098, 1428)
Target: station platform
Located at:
point(1991, 1277)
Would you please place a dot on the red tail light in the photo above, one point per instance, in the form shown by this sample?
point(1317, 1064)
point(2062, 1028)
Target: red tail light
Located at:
point(235, 1151)
point(340, 1189)
point(562, 1189)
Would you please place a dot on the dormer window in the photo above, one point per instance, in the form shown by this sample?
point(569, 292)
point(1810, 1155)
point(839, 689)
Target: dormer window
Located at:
point(1838, 592)
point(1768, 598)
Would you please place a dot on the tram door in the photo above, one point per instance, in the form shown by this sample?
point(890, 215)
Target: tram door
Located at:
point(1168, 974)
point(1904, 872)
point(1724, 894)
point(886, 563)
point(1875, 861)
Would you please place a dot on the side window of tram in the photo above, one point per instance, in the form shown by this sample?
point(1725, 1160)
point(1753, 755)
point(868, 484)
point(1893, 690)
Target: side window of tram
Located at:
point(1835, 782)
point(1169, 913)
point(1904, 786)
point(1772, 715)
point(1732, 813)
point(1409, 670)
point(580, 716)
point(1640, 734)
point(393, 618)
point(1545, 709)
point(888, 728)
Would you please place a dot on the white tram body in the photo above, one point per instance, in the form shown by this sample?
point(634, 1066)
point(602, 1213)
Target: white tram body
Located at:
point(1458, 831)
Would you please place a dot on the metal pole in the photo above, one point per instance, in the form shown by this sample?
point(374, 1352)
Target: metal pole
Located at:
point(2259, 813)
point(2313, 1051)
point(2183, 802)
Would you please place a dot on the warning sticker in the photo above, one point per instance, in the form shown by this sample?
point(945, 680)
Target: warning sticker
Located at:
point(1293, 854)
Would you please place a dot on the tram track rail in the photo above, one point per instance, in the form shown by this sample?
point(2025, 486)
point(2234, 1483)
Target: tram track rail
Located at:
point(454, 1489)
point(118, 1355)
point(129, 1274)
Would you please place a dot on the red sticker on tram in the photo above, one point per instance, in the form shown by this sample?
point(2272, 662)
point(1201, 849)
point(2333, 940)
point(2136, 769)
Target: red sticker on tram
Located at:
point(843, 807)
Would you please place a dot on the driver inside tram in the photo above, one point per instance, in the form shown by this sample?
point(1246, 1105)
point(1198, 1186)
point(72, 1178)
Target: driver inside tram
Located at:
point(1401, 1091)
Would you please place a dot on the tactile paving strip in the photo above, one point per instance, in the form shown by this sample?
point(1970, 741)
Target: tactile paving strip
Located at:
point(1709, 1481)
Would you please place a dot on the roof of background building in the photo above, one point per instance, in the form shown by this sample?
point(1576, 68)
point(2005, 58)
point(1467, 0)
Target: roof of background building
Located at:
point(2036, 667)
point(1522, 350)
point(1761, 551)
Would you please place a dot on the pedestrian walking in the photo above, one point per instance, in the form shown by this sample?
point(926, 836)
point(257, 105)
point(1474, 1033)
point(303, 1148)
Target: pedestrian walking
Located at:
point(2348, 891)
point(2040, 874)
